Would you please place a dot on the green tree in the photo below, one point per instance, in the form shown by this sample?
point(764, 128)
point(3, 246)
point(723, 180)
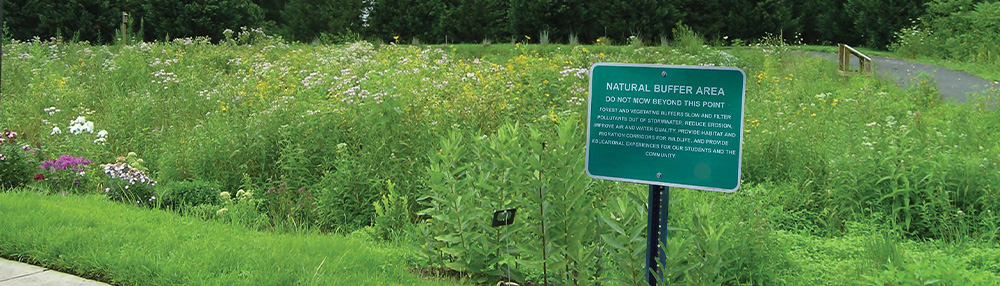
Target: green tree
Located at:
point(406, 19)
point(649, 19)
point(706, 17)
point(826, 22)
point(305, 20)
point(559, 18)
point(878, 20)
point(954, 29)
point(474, 20)
point(176, 18)
point(762, 17)
point(272, 12)
point(272, 9)
point(84, 20)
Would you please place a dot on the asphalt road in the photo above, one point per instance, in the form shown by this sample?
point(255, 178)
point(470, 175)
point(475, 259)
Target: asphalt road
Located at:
point(952, 85)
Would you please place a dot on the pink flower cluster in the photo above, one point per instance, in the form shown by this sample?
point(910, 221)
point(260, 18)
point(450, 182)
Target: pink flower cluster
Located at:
point(8, 136)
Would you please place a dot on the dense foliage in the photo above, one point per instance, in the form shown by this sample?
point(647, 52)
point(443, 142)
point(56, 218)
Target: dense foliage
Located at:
point(167, 19)
point(101, 21)
point(856, 22)
point(306, 20)
point(955, 30)
point(91, 20)
point(422, 144)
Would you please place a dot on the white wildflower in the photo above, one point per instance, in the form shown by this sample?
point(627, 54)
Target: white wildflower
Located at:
point(80, 125)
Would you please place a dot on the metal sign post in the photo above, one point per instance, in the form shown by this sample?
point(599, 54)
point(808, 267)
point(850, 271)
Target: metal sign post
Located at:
point(656, 231)
point(505, 218)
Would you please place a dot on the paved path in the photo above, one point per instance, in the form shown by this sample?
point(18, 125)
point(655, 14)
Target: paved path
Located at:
point(953, 85)
point(15, 273)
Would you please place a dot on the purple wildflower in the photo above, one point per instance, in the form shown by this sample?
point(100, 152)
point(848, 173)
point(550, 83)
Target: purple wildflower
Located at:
point(77, 164)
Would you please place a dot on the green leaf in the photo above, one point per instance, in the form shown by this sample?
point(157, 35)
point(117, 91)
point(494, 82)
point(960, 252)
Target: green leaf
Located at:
point(450, 238)
point(457, 266)
point(454, 251)
point(613, 224)
point(610, 240)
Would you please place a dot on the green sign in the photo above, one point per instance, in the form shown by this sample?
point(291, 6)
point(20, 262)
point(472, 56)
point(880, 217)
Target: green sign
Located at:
point(677, 126)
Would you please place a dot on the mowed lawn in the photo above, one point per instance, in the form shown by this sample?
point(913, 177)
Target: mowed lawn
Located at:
point(126, 245)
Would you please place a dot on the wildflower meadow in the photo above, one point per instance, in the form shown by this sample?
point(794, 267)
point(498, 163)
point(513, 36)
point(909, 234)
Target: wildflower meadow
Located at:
point(257, 161)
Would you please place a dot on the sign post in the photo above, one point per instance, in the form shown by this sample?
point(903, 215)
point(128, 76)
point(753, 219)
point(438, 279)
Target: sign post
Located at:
point(656, 231)
point(665, 126)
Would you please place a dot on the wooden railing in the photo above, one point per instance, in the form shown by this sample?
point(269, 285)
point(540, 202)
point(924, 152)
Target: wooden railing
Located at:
point(845, 53)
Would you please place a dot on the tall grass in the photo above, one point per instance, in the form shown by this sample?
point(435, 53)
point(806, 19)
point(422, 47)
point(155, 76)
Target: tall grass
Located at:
point(253, 112)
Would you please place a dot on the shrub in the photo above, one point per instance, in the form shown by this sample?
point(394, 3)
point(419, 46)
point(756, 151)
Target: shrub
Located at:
point(878, 20)
point(185, 194)
point(289, 208)
point(686, 40)
point(953, 29)
point(626, 242)
point(345, 193)
point(392, 214)
point(936, 269)
point(16, 162)
point(243, 208)
point(536, 169)
point(603, 41)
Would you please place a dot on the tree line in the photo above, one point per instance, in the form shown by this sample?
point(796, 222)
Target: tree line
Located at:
point(871, 23)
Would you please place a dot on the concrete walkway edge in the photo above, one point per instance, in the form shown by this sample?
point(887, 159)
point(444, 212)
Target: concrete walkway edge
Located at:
point(22, 274)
